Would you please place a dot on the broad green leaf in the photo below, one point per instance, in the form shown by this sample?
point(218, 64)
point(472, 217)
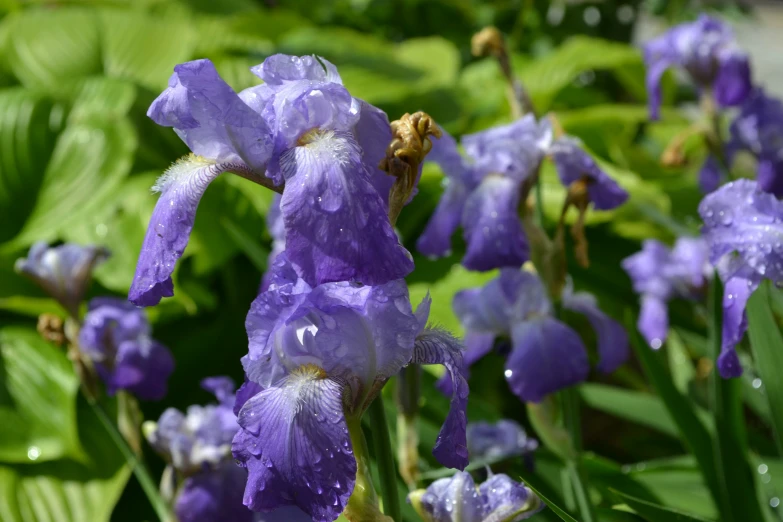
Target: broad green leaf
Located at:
point(676, 482)
point(28, 127)
point(90, 161)
point(37, 399)
point(559, 511)
point(437, 57)
point(48, 46)
point(767, 345)
point(145, 48)
point(731, 456)
point(642, 408)
point(657, 513)
point(694, 433)
point(65, 490)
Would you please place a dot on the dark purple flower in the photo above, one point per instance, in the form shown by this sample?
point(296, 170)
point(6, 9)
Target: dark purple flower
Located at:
point(659, 275)
point(318, 356)
point(116, 337)
point(214, 495)
point(758, 129)
point(743, 226)
point(64, 271)
point(500, 440)
point(709, 174)
point(201, 437)
point(707, 51)
point(457, 499)
point(301, 127)
point(546, 355)
point(482, 193)
point(574, 165)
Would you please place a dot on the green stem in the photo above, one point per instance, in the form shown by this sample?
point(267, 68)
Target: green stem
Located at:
point(408, 384)
point(385, 457)
point(735, 477)
point(571, 418)
point(539, 201)
point(138, 467)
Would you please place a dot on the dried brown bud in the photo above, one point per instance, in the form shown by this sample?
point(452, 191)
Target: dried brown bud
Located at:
point(52, 328)
point(410, 144)
point(488, 42)
point(578, 198)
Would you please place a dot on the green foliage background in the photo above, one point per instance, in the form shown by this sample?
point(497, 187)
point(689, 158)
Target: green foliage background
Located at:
point(78, 157)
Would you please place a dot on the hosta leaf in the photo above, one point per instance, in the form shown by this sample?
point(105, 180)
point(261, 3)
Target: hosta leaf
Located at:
point(28, 126)
point(64, 490)
point(47, 46)
point(37, 399)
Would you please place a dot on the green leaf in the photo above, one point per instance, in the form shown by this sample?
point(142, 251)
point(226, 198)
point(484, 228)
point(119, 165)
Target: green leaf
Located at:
point(657, 513)
point(144, 47)
point(731, 451)
point(693, 431)
point(92, 157)
point(28, 129)
point(48, 46)
point(766, 342)
point(64, 490)
point(37, 399)
point(642, 408)
point(560, 512)
point(436, 57)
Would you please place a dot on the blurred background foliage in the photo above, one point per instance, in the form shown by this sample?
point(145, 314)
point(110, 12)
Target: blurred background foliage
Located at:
point(78, 157)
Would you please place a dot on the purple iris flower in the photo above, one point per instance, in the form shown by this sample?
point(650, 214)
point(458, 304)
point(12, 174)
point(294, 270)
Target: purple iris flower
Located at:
point(500, 440)
point(758, 129)
point(64, 271)
point(301, 128)
point(742, 227)
point(457, 499)
point(707, 51)
point(546, 355)
point(660, 274)
point(709, 174)
point(482, 193)
point(116, 337)
point(317, 358)
point(574, 165)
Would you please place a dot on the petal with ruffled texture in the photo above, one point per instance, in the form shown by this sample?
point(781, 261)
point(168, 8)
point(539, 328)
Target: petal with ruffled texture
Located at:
point(491, 225)
point(454, 499)
point(211, 118)
point(547, 356)
point(739, 217)
point(336, 224)
point(295, 445)
point(435, 346)
point(505, 498)
point(613, 349)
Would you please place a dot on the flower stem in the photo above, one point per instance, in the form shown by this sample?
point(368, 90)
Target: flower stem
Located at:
point(139, 469)
point(363, 504)
point(408, 384)
point(571, 419)
point(383, 453)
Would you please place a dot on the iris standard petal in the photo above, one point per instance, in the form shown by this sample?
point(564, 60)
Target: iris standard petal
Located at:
point(295, 444)
point(336, 223)
point(181, 188)
point(454, 499)
point(278, 69)
point(657, 58)
point(739, 217)
point(211, 118)
point(491, 226)
point(436, 346)
point(547, 356)
point(612, 340)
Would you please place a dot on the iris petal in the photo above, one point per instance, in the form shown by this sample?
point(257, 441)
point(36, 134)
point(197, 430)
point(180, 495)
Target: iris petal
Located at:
point(613, 348)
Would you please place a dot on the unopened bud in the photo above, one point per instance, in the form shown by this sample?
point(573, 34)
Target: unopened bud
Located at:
point(488, 42)
point(52, 328)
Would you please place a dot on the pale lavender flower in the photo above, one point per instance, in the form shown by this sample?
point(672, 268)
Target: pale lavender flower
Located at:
point(743, 226)
point(707, 51)
point(64, 272)
point(458, 499)
point(499, 440)
point(116, 337)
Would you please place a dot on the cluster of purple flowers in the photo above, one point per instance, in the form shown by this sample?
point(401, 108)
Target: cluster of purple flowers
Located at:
point(484, 189)
point(114, 335)
point(333, 321)
point(742, 219)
